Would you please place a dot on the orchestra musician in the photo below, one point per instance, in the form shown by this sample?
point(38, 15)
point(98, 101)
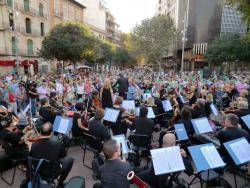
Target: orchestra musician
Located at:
point(113, 173)
point(147, 174)
point(142, 124)
point(78, 126)
point(53, 101)
point(53, 151)
point(47, 112)
point(15, 147)
point(198, 109)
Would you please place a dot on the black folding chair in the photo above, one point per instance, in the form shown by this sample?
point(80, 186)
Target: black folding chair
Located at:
point(8, 163)
point(92, 144)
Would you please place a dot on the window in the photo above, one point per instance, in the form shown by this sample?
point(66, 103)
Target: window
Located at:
point(56, 7)
point(13, 45)
point(42, 29)
point(30, 47)
point(10, 3)
point(28, 25)
point(41, 9)
point(65, 11)
point(26, 5)
point(11, 21)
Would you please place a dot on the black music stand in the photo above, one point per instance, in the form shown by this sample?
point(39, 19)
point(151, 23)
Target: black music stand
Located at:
point(239, 151)
point(206, 158)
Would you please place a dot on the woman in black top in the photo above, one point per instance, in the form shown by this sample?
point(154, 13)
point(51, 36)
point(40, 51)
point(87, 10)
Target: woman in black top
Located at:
point(78, 127)
point(106, 95)
point(14, 146)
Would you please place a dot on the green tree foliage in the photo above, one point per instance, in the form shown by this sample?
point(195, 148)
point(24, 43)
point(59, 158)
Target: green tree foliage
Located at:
point(228, 48)
point(153, 37)
point(67, 42)
point(244, 7)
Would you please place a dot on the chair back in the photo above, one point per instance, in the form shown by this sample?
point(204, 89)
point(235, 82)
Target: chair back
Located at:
point(48, 171)
point(139, 140)
point(92, 141)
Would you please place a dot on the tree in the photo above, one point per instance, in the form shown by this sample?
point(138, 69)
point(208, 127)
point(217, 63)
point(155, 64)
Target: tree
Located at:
point(153, 37)
point(244, 7)
point(68, 42)
point(228, 48)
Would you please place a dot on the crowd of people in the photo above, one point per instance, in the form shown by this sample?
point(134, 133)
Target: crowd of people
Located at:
point(84, 96)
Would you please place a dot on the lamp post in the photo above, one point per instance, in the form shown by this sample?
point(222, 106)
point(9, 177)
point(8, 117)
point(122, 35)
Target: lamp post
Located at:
point(184, 35)
point(15, 15)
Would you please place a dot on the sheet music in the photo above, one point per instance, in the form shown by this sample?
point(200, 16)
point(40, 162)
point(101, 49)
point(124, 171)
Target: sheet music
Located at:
point(128, 104)
point(151, 114)
point(214, 109)
point(246, 120)
point(181, 131)
point(120, 139)
point(167, 105)
point(241, 150)
point(212, 156)
point(111, 115)
point(167, 160)
point(203, 125)
point(63, 127)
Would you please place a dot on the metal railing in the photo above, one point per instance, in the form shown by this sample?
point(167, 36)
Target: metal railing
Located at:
point(20, 29)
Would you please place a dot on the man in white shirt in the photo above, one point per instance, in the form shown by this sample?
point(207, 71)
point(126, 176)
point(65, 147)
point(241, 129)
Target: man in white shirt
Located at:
point(42, 91)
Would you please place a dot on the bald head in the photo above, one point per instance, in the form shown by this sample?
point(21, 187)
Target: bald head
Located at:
point(169, 140)
point(46, 129)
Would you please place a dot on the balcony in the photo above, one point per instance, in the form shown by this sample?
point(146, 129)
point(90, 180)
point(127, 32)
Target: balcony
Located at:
point(20, 29)
point(20, 52)
point(32, 11)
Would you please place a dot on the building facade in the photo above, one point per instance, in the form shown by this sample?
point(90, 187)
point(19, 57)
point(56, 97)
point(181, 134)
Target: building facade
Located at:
point(231, 21)
point(112, 29)
point(65, 11)
point(207, 19)
point(95, 16)
point(23, 24)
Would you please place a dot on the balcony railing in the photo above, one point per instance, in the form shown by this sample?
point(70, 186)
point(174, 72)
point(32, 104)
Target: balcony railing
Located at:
point(20, 52)
point(20, 29)
point(32, 11)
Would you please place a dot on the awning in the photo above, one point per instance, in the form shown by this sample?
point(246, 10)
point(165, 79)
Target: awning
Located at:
point(13, 63)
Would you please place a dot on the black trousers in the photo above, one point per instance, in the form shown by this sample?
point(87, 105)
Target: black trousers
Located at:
point(67, 164)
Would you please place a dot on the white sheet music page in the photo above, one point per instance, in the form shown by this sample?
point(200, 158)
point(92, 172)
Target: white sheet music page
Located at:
point(203, 126)
point(214, 109)
point(167, 105)
point(107, 115)
point(150, 113)
point(113, 116)
point(63, 127)
point(167, 160)
point(128, 104)
point(120, 139)
point(212, 156)
point(242, 150)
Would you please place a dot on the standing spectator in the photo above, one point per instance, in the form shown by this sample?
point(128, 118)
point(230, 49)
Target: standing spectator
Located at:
point(33, 95)
point(106, 95)
point(21, 96)
point(10, 100)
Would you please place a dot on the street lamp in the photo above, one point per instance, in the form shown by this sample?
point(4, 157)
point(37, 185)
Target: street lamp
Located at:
point(15, 15)
point(184, 37)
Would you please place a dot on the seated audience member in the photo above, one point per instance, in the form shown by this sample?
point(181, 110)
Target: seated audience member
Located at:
point(232, 130)
point(142, 124)
point(53, 151)
point(198, 109)
point(78, 128)
point(96, 127)
point(48, 114)
point(148, 174)
point(113, 173)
